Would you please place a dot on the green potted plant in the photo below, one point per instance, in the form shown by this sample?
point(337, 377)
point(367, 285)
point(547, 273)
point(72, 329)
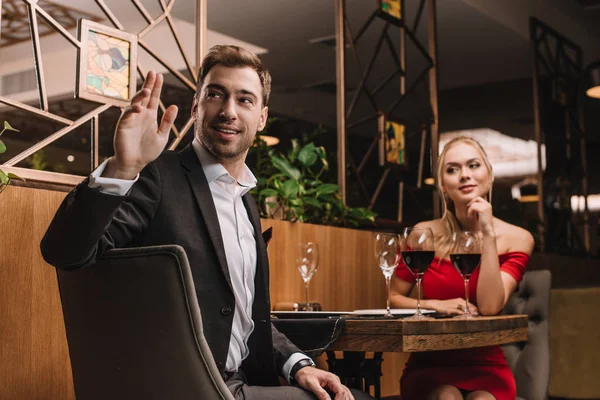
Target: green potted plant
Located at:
point(291, 187)
point(4, 177)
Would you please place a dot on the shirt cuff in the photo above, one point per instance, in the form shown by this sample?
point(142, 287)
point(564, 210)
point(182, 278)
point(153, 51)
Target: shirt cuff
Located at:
point(294, 358)
point(117, 187)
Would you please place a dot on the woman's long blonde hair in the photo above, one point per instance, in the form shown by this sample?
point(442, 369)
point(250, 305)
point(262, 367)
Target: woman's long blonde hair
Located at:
point(449, 221)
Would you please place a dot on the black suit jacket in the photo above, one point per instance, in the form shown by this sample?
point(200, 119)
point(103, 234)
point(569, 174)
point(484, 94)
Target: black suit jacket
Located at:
point(171, 203)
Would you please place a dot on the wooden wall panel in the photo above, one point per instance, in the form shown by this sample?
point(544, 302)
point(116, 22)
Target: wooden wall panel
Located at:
point(34, 360)
point(347, 278)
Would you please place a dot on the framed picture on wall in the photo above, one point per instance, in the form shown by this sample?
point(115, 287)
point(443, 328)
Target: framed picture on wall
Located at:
point(392, 10)
point(392, 145)
point(107, 62)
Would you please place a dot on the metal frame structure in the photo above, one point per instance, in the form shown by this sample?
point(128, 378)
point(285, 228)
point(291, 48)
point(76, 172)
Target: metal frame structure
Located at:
point(345, 113)
point(35, 10)
point(16, 28)
point(560, 61)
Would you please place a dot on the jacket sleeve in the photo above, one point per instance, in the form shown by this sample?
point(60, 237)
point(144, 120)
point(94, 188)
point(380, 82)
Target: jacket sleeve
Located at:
point(89, 222)
point(283, 348)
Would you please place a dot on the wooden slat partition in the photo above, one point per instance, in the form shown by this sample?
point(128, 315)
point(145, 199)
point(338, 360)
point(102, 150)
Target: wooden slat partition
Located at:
point(34, 359)
point(347, 278)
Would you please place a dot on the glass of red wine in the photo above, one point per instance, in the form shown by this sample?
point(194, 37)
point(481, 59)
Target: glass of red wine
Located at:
point(387, 256)
point(466, 256)
point(417, 247)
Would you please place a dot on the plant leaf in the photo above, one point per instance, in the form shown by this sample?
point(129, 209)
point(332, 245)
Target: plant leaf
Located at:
point(8, 127)
point(323, 155)
point(2, 147)
point(15, 176)
point(285, 167)
point(290, 189)
point(4, 179)
point(327, 188)
point(307, 156)
point(313, 202)
point(294, 151)
point(308, 159)
point(268, 192)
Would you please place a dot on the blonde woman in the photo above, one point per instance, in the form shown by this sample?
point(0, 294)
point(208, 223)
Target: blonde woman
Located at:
point(465, 180)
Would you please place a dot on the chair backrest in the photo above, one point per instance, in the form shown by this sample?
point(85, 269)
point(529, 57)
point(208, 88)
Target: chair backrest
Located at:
point(134, 328)
point(530, 361)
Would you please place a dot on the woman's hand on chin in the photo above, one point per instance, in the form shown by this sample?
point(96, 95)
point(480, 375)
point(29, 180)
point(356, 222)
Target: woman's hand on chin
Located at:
point(480, 210)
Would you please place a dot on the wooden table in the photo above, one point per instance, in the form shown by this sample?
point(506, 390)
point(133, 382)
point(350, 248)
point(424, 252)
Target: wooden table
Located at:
point(399, 335)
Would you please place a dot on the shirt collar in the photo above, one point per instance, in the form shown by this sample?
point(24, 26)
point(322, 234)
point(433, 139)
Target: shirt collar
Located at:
point(215, 171)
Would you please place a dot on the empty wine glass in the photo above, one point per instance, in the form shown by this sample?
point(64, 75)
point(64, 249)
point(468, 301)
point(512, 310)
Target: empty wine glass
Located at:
point(307, 261)
point(418, 250)
point(386, 254)
point(466, 256)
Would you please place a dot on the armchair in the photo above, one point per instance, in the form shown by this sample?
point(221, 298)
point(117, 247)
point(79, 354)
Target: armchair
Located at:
point(134, 328)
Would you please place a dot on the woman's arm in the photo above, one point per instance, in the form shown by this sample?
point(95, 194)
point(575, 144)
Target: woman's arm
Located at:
point(399, 298)
point(490, 287)
point(494, 286)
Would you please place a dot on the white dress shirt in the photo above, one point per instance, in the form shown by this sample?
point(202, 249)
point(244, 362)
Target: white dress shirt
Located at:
point(238, 239)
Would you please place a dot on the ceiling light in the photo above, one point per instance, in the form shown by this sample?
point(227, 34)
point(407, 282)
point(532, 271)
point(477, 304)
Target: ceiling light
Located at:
point(577, 203)
point(525, 191)
point(593, 80)
point(70, 158)
point(532, 198)
point(269, 140)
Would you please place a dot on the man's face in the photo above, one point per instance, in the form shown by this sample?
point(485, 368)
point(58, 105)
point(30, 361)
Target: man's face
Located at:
point(229, 112)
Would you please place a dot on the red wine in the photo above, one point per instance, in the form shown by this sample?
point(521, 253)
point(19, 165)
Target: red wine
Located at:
point(465, 263)
point(418, 260)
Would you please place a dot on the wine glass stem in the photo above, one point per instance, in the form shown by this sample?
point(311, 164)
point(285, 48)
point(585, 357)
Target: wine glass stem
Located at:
point(467, 311)
point(306, 291)
point(388, 281)
point(419, 295)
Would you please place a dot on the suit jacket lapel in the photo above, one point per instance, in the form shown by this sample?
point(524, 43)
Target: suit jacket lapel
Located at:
point(203, 196)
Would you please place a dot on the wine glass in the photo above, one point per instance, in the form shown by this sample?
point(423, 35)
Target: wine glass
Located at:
point(466, 256)
point(307, 261)
point(418, 250)
point(386, 254)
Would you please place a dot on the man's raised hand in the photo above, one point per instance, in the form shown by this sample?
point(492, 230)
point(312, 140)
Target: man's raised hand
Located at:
point(139, 139)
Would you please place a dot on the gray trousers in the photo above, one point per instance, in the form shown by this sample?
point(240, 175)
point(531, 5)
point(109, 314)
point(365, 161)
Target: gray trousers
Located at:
point(241, 391)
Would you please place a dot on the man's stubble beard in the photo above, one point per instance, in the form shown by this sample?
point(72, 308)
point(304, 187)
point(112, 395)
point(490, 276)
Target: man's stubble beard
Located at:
point(223, 152)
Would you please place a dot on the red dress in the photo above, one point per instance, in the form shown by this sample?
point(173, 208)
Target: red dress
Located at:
point(479, 368)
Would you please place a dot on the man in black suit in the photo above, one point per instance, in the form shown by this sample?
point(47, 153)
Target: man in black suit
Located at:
point(197, 198)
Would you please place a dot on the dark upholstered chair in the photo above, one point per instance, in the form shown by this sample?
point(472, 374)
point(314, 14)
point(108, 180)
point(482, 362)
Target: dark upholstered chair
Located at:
point(530, 361)
point(135, 331)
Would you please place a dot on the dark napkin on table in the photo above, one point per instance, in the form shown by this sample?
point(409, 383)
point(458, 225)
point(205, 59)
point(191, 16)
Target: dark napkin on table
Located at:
point(311, 335)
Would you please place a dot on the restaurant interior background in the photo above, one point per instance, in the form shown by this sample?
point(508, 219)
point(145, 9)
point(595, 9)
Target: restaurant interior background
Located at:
point(484, 63)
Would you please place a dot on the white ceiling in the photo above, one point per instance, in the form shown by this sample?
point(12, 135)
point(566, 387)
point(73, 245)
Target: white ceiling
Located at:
point(479, 41)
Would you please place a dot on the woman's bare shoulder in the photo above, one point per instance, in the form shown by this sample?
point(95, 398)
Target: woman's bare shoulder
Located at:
point(513, 238)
